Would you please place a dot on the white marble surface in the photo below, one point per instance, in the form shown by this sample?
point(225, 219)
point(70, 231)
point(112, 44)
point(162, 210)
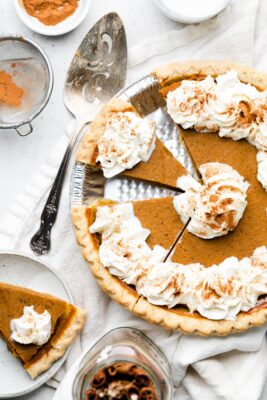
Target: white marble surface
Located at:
point(21, 157)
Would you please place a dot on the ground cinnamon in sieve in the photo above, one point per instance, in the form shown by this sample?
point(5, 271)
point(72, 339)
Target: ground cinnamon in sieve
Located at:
point(10, 93)
point(50, 12)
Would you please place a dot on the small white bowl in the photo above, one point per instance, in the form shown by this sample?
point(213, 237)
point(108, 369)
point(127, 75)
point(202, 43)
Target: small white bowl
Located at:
point(184, 11)
point(65, 26)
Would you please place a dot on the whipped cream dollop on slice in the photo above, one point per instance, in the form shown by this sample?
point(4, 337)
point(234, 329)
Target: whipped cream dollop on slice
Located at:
point(262, 168)
point(127, 140)
point(258, 136)
point(31, 327)
point(124, 249)
point(225, 105)
point(219, 292)
point(186, 104)
point(232, 106)
point(169, 284)
point(216, 206)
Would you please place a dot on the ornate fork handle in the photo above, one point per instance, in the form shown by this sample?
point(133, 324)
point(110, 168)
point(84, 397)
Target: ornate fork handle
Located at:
point(41, 241)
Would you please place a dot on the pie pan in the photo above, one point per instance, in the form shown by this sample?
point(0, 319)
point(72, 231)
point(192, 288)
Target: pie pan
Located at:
point(88, 185)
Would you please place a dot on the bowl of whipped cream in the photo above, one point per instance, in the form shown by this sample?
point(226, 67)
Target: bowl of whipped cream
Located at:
point(191, 11)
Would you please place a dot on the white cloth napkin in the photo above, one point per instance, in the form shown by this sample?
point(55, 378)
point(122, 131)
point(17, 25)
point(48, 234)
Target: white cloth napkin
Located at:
point(231, 368)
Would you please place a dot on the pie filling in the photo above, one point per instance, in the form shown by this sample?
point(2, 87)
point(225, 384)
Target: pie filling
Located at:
point(36, 352)
point(214, 207)
point(127, 140)
point(222, 105)
point(61, 325)
point(219, 292)
point(32, 324)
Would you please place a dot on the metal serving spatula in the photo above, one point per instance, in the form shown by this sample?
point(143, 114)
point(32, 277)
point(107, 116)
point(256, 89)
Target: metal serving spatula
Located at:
point(97, 73)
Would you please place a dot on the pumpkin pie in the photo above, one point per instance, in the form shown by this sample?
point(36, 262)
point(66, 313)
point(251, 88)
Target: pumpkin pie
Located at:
point(66, 321)
point(156, 215)
point(249, 234)
point(162, 168)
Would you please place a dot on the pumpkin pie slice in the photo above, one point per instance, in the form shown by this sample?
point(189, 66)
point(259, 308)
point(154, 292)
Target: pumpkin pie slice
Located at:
point(66, 321)
point(162, 168)
point(158, 215)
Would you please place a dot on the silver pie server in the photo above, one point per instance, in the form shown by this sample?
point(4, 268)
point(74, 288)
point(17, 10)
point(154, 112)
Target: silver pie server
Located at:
point(97, 73)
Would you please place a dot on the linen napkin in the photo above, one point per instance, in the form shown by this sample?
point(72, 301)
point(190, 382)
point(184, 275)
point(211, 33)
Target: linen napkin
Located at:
point(231, 368)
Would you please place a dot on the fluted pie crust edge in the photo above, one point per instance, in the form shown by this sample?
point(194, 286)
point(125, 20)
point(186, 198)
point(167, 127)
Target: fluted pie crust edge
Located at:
point(60, 344)
point(177, 318)
point(173, 319)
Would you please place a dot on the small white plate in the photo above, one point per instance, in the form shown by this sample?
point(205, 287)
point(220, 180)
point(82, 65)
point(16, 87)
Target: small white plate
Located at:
point(65, 26)
point(22, 270)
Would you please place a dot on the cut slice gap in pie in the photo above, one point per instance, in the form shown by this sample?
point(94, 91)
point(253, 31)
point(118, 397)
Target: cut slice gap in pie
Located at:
point(66, 321)
point(162, 168)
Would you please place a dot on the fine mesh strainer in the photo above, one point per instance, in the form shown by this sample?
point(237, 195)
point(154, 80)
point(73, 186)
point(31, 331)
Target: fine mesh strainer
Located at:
point(31, 70)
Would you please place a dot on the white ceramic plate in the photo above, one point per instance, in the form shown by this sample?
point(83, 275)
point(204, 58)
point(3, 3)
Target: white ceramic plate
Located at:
point(21, 270)
point(65, 26)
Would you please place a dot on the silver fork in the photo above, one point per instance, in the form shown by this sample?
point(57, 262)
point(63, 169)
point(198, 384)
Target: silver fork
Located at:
point(97, 73)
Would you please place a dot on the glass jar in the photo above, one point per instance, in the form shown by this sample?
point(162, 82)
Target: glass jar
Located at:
point(124, 345)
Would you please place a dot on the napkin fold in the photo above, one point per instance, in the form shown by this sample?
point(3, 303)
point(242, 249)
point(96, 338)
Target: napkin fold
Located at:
point(228, 368)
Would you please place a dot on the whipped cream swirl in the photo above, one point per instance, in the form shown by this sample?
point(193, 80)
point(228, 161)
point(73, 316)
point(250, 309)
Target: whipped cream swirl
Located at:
point(31, 327)
point(218, 292)
point(127, 140)
point(262, 168)
point(216, 206)
point(124, 249)
point(224, 105)
point(186, 104)
point(231, 107)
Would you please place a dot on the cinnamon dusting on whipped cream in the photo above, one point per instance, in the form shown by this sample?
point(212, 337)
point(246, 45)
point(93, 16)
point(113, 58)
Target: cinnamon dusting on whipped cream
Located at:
point(127, 140)
point(223, 105)
point(216, 206)
point(218, 292)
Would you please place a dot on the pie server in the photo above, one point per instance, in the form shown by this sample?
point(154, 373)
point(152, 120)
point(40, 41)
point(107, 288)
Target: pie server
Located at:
point(97, 73)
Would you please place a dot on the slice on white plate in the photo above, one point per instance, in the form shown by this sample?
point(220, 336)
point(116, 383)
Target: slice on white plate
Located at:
point(24, 280)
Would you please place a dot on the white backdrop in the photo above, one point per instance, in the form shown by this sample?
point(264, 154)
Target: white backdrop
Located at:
point(21, 157)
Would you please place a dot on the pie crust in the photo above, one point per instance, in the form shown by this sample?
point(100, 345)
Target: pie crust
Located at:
point(173, 319)
point(161, 168)
point(60, 344)
point(178, 318)
point(67, 321)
